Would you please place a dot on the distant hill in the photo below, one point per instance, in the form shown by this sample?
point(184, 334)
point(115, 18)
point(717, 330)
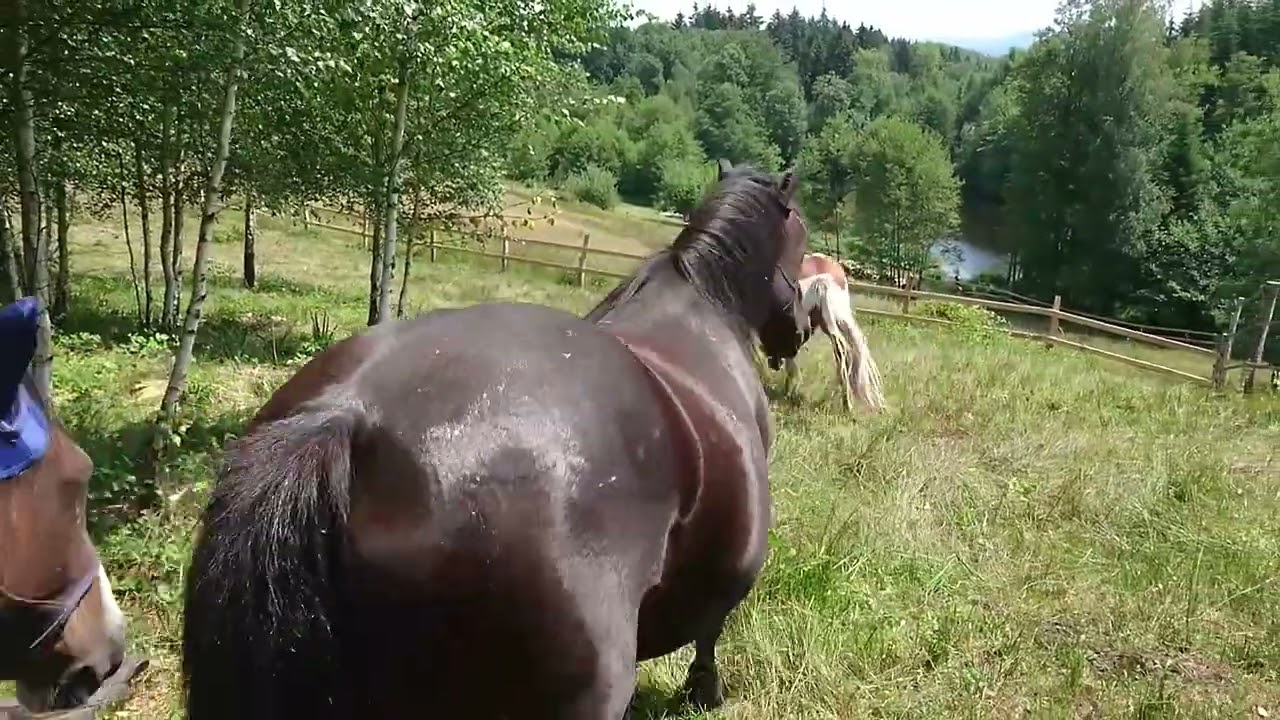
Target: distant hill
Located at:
point(993, 46)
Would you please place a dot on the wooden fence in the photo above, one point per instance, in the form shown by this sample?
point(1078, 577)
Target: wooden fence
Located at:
point(1055, 317)
point(506, 256)
point(1216, 361)
point(1052, 334)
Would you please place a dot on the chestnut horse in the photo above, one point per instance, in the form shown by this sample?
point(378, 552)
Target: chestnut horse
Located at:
point(61, 632)
point(825, 296)
point(497, 511)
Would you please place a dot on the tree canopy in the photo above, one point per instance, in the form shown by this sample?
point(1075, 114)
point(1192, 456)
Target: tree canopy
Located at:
point(1127, 160)
point(1123, 161)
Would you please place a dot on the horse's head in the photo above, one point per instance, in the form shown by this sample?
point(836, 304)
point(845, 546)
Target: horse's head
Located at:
point(786, 324)
point(61, 632)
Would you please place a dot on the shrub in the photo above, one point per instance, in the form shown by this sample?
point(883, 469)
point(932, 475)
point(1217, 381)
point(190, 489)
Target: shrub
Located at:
point(594, 185)
point(529, 157)
point(228, 235)
point(681, 185)
point(970, 321)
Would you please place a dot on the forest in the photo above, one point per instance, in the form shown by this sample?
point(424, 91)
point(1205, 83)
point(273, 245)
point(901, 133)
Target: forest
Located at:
point(1127, 161)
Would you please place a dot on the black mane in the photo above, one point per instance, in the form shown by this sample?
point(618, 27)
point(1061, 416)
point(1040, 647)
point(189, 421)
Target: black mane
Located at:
point(727, 251)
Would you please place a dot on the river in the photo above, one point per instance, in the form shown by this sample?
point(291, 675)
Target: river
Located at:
point(972, 249)
point(960, 256)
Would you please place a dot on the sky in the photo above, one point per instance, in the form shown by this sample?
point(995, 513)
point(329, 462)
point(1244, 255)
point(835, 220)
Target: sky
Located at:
point(913, 19)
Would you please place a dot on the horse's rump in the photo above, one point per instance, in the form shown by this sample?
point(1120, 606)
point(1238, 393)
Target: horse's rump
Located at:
point(546, 489)
point(819, 264)
point(481, 518)
point(832, 309)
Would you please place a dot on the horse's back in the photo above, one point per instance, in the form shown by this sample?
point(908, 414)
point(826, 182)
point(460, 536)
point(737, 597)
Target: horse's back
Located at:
point(499, 526)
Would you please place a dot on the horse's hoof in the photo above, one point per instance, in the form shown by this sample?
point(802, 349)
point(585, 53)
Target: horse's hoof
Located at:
point(704, 690)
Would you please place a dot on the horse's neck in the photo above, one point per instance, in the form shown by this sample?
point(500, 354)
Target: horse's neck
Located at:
point(670, 318)
point(668, 306)
point(695, 382)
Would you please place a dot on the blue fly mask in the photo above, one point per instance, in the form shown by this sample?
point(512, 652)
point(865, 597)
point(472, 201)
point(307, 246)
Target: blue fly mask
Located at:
point(28, 626)
point(24, 428)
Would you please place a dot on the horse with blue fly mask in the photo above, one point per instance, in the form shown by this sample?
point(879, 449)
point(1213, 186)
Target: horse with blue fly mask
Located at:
point(497, 511)
point(61, 632)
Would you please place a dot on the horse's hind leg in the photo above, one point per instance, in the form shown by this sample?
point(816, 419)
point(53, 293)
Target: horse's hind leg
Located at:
point(792, 371)
point(609, 696)
point(608, 643)
point(703, 688)
point(609, 699)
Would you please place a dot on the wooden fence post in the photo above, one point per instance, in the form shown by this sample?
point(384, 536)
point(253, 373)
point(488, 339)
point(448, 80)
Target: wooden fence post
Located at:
point(431, 243)
point(506, 251)
point(1218, 376)
point(1226, 341)
point(582, 260)
point(1052, 333)
point(1272, 293)
point(906, 299)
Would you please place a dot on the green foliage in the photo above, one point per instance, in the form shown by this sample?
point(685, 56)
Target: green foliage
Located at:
point(832, 96)
point(1248, 155)
point(228, 236)
point(662, 133)
point(595, 185)
point(323, 334)
point(529, 159)
point(906, 195)
point(1124, 165)
point(828, 172)
point(682, 185)
point(784, 116)
point(149, 557)
point(598, 141)
point(1112, 159)
point(977, 324)
point(728, 127)
point(987, 146)
point(670, 99)
point(1099, 153)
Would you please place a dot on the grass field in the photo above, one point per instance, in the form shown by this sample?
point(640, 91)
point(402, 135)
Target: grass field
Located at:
point(1025, 533)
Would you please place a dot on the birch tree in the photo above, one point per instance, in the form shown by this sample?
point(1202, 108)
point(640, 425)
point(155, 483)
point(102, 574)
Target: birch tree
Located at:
point(34, 246)
point(210, 208)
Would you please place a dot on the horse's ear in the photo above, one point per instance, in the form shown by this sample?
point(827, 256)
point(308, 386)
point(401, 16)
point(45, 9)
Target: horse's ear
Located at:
point(723, 168)
point(787, 186)
point(18, 323)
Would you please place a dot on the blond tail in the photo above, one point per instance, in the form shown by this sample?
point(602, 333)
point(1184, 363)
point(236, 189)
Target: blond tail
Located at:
point(866, 374)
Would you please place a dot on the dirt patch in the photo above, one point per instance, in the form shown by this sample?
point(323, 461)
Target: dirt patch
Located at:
point(1057, 633)
point(1184, 665)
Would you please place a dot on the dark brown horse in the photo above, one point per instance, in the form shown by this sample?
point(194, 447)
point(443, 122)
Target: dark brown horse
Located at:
point(61, 632)
point(497, 511)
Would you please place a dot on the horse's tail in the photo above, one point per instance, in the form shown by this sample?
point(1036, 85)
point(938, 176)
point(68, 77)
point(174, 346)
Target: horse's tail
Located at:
point(866, 374)
point(261, 623)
